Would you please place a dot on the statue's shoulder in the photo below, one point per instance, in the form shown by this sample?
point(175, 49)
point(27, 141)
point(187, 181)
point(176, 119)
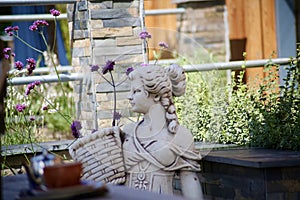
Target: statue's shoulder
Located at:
point(129, 128)
point(183, 137)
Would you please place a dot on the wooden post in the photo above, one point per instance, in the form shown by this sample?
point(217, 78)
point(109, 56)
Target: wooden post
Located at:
point(252, 29)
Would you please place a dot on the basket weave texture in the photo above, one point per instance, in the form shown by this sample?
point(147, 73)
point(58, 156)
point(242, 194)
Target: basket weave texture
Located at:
point(101, 156)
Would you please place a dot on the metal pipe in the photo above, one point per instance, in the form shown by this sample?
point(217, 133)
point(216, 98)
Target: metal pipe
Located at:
point(165, 11)
point(44, 79)
point(43, 70)
point(234, 65)
point(33, 2)
point(30, 17)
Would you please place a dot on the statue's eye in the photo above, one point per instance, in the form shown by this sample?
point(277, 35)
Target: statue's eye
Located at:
point(135, 91)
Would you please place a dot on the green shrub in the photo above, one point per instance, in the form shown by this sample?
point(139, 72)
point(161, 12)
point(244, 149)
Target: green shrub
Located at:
point(268, 117)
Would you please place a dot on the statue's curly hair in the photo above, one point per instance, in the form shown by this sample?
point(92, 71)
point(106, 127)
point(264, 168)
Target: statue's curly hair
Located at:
point(166, 82)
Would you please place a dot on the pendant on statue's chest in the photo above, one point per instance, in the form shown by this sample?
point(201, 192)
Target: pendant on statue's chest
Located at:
point(141, 183)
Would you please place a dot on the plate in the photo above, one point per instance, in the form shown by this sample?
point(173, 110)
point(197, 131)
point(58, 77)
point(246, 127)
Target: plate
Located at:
point(84, 190)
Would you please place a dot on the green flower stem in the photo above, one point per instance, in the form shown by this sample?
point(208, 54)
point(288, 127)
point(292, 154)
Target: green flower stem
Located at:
point(51, 53)
point(28, 132)
point(27, 44)
point(115, 99)
point(52, 106)
point(54, 36)
point(110, 83)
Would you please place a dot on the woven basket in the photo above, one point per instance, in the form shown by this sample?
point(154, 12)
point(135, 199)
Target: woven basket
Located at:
point(101, 156)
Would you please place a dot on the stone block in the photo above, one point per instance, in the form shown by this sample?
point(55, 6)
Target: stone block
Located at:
point(84, 60)
point(80, 24)
point(122, 4)
point(105, 87)
point(123, 50)
point(81, 43)
point(82, 15)
point(101, 97)
point(128, 60)
point(109, 14)
point(75, 61)
point(82, 5)
point(96, 24)
point(99, 60)
point(96, 5)
point(127, 41)
point(133, 11)
point(104, 42)
point(121, 22)
point(77, 52)
point(111, 32)
point(81, 34)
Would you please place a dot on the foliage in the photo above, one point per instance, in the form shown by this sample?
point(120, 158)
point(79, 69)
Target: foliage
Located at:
point(277, 123)
point(40, 104)
point(268, 117)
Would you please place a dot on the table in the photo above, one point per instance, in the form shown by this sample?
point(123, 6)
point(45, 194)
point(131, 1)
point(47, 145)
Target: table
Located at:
point(12, 185)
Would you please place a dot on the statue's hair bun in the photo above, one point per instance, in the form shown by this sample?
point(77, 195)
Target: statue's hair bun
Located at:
point(177, 78)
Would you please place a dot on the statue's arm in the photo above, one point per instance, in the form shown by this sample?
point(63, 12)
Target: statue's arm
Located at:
point(190, 185)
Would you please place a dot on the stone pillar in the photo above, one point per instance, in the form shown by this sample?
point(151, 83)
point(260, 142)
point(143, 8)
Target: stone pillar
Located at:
point(100, 31)
point(202, 28)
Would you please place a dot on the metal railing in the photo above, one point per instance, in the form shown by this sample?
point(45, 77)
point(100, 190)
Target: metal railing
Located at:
point(32, 17)
point(234, 65)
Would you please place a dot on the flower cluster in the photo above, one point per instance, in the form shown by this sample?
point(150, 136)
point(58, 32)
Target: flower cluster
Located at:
point(10, 30)
point(54, 12)
point(144, 35)
point(20, 107)
point(38, 23)
point(75, 127)
point(7, 51)
point(31, 64)
point(31, 86)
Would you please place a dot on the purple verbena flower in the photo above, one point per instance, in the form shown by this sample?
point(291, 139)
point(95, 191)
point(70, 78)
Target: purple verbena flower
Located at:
point(163, 45)
point(16, 28)
point(109, 66)
point(33, 27)
point(10, 29)
point(117, 115)
point(54, 12)
point(75, 127)
point(31, 118)
point(144, 65)
point(37, 82)
point(94, 68)
point(129, 70)
point(31, 86)
point(144, 35)
point(31, 63)
point(19, 65)
point(6, 50)
point(45, 107)
point(20, 107)
point(40, 23)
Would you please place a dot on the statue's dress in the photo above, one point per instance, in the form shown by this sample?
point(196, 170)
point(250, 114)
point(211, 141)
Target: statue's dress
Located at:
point(151, 162)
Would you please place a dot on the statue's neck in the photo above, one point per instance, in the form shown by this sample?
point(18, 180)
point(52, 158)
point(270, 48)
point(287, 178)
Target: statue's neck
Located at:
point(154, 121)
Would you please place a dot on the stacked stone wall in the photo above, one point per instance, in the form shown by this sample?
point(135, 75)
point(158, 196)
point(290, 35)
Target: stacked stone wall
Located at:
point(102, 31)
point(202, 23)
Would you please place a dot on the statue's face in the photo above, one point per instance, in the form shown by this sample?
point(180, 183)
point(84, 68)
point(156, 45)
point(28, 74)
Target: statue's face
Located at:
point(139, 99)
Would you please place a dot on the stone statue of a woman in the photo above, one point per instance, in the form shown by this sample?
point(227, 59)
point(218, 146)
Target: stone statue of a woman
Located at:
point(154, 148)
point(157, 146)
